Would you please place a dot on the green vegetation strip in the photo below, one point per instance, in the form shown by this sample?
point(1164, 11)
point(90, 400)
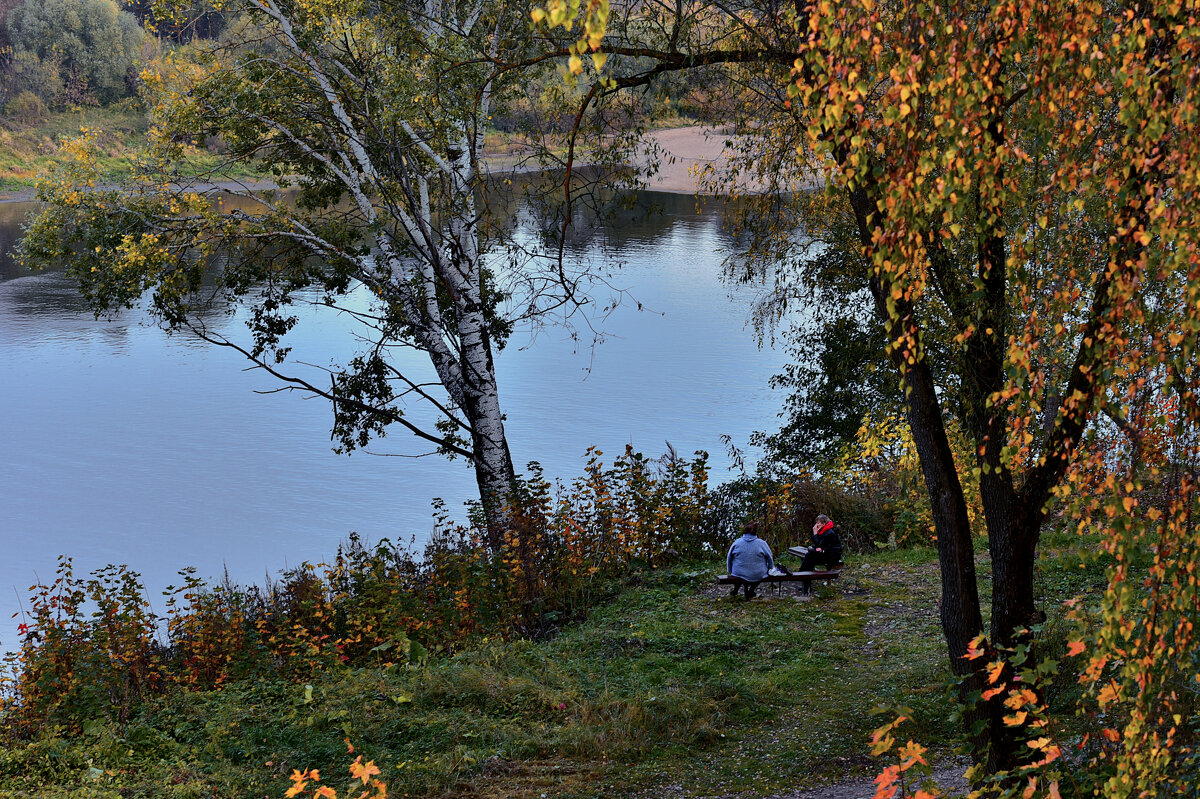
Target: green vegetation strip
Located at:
point(670, 683)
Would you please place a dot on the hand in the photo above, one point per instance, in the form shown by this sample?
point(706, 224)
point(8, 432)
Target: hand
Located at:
point(820, 550)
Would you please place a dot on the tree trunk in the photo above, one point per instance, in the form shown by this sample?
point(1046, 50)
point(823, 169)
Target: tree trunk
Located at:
point(494, 472)
point(493, 462)
point(961, 617)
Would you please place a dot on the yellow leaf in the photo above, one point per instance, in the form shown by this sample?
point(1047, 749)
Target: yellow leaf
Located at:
point(363, 772)
point(598, 60)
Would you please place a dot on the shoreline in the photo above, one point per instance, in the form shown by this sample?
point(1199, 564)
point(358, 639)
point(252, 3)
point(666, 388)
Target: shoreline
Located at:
point(680, 153)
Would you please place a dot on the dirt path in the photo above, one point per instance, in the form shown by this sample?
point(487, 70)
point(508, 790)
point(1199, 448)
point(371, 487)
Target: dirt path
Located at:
point(950, 780)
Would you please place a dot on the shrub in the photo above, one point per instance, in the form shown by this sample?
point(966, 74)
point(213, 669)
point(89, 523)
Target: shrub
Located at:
point(881, 466)
point(786, 511)
point(26, 108)
point(373, 606)
point(74, 665)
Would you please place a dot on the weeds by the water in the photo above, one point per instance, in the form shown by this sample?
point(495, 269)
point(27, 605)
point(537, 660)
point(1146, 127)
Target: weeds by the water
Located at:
point(667, 682)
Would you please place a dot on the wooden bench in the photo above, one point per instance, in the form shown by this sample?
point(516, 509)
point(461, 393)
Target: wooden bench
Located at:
point(794, 577)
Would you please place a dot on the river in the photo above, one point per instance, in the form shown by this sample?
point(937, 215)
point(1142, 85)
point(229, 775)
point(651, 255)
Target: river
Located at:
point(121, 444)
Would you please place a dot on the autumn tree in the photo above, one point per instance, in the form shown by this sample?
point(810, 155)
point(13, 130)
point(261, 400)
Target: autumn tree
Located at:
point(375, 113)
point(1021, 182)
point(92, 45)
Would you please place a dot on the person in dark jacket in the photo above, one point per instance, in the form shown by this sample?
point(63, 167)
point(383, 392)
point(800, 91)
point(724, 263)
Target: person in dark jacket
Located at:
point(826, 550)
point(749, 560)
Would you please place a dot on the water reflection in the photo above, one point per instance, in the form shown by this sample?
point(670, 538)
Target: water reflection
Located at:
point(121, 444)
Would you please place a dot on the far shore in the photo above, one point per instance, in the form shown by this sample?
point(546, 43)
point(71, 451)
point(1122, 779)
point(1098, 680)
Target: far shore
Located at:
point(680, 154)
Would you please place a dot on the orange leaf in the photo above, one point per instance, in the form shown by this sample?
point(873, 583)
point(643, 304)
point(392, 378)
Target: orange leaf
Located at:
point(1075, 647)
point(363, 772)
point(911, 753)
point(887, 783)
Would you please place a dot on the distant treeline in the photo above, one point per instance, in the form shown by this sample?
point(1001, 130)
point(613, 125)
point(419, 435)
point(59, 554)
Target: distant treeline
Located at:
point(60, 53)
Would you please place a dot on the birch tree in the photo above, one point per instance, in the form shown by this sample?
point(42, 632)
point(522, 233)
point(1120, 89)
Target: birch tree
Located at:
point(375, 113)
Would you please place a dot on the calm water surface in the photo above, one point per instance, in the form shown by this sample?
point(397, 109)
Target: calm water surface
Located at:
point(121, 444)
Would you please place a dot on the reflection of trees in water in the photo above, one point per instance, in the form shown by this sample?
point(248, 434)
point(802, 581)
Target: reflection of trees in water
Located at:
point(50, 294)
point(601, 220)
point(12, 216)
point(601, 217)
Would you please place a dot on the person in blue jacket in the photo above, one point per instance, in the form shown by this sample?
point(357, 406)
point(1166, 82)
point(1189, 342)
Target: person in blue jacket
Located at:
point(749, 560)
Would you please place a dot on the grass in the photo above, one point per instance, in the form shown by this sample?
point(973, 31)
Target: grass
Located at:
point(26, 151)
point(668, 684)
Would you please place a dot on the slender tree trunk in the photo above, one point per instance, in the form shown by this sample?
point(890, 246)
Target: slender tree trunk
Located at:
point(493, 462)
point(1012, 541)
point(961, 617)
point(494, 472)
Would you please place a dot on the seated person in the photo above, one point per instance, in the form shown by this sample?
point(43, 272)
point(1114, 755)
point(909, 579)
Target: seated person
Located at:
point(826, 550)
point(827, 546)
point(749, 560)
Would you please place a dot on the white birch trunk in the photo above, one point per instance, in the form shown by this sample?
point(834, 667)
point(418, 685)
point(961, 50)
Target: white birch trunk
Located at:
point(430, 255)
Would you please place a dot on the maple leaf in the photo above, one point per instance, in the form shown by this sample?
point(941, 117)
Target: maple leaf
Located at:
point(1075, 647)
point(975, 649)
point(364, 772)
point(911, 753)
point(887, 783)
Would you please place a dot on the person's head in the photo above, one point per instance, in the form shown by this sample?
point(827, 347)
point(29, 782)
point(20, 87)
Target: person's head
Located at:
point(821, 521)
point(750, 528)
